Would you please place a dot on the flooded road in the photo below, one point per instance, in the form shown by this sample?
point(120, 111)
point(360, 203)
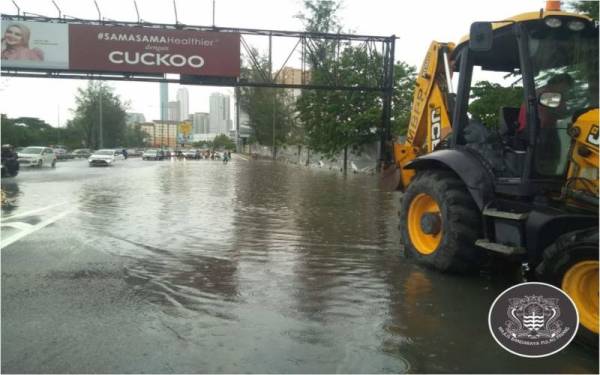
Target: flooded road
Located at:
point(200, 267)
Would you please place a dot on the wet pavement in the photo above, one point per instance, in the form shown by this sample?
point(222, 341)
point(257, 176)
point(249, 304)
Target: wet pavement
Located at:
point(200, 267)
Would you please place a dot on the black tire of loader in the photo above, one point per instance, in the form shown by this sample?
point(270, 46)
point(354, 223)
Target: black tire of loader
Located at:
point(558, 258)
point(461, 222)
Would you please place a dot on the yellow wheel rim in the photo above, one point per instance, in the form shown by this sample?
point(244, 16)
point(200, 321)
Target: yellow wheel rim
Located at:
point(581, 284)
point(424, 243)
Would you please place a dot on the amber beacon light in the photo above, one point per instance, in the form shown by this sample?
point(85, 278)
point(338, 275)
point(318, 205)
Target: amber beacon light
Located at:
point(552, 5)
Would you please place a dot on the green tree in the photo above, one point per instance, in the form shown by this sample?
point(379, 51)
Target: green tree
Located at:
point(134, 136)
point(28, 131)
point(202, 144)
point(86, 122)
point(222, 141)
point(488, 97)
point(320, 16)
point(589, 8)
point(337, 121)
point(404, 84)
point(269, 110)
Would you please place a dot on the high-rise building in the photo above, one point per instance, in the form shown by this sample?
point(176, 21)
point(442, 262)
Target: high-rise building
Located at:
point(220, 114)
point(160, 133)
point(184, 103)
point(292, 76)
point(200, 123)
point(173, 111)
point(164, 101)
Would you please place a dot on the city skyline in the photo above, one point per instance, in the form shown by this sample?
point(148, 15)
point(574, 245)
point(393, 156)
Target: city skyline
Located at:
point(205, 125)
point(197, 102)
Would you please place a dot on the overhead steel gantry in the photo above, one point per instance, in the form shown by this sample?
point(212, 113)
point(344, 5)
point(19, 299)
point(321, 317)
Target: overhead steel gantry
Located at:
point(305, 52)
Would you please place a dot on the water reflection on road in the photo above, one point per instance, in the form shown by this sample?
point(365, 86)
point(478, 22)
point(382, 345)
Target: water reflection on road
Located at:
point(262, 267)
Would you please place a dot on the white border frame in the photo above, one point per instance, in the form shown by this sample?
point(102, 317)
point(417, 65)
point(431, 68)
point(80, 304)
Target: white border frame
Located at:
point(524, 355)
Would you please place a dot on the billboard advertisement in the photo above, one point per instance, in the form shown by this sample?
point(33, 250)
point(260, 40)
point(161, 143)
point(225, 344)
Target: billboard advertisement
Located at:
point(98, 48)
point(146, 50)
point(35, 45)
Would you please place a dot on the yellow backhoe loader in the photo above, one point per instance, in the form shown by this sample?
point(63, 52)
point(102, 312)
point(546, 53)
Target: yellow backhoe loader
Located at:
point(525, 187)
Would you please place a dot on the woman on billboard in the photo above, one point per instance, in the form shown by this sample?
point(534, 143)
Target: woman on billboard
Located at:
point(15, 44)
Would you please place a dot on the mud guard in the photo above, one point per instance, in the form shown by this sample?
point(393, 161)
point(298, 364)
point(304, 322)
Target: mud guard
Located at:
point(474, 174)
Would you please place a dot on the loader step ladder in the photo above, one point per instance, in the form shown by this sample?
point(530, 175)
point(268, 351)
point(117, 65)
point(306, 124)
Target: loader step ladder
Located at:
point(506, 217)
point(499, 248)
point(492, 212)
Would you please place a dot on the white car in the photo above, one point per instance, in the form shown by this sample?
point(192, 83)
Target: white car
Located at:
point(37, 156)
point(105, 157)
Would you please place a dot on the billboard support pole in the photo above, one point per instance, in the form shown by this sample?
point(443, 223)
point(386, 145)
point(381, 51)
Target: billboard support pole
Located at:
point(213, 25)
point(136, 10)
point(18, 9)
point(175, 8)
point(98, 9)
point(57, 8)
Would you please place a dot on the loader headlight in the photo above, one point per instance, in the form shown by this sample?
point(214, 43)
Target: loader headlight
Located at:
point(576, 25)
point(553, 22)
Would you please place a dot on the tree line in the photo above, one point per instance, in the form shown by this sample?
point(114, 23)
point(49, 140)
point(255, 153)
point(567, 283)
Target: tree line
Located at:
point(95, 104)
point(331, 122)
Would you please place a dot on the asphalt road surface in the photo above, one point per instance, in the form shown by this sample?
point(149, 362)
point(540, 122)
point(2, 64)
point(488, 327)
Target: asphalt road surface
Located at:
point(253, 266)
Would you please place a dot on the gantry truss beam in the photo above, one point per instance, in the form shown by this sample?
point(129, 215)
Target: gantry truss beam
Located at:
point(307, 52)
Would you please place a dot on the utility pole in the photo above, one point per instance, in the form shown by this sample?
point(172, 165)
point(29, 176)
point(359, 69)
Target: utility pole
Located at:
point(274, 92)
point(58, 124)
point(237, 119)
point(273, 121)
point(101, 140)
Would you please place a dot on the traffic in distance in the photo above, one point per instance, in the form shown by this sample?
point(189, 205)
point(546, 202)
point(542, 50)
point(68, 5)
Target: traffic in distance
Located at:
point(13, 159)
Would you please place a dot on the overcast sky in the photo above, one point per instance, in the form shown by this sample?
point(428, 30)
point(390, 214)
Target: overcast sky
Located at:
point(415, 23)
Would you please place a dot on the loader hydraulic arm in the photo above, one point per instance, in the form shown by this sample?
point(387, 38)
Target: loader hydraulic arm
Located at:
point(431, 109)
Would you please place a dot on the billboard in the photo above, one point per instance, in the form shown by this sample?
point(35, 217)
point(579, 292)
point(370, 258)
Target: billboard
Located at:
point(95, 48)
point(35, 45)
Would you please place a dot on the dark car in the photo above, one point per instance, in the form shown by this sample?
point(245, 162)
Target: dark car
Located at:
point(81, 153)
point(153, 154)
point(191, 154)
point(61, 153)
point(10, 161)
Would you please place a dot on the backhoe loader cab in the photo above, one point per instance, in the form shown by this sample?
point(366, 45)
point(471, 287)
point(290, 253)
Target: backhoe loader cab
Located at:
point(555, 60)
point(524, 186)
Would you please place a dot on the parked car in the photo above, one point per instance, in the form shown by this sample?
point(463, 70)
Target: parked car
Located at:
point(191, 154)
point(10, 162)
point(153, 154)
point(105, 157)
point(82, 153)
point(37, 156)
point(61, 153)
point(134, 152)
point(167, 153)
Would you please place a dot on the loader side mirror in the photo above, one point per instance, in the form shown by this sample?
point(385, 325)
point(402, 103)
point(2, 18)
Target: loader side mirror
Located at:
point(481, 36)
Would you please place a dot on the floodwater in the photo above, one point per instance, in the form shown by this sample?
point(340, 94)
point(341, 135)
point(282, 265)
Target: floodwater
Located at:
point(254, 267)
